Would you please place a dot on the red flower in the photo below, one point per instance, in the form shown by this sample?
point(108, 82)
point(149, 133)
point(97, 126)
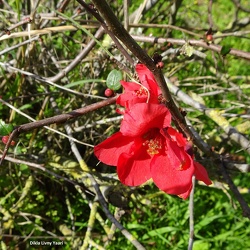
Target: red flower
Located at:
point(133, 129)
point(146, 147)
point(179, 154)
point(147, 91)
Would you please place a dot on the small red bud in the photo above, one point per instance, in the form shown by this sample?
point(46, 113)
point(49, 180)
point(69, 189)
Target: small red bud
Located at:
point(169, 45)
point(209, 37)
point(5, 140)
point(160, 64)
point(109, 92)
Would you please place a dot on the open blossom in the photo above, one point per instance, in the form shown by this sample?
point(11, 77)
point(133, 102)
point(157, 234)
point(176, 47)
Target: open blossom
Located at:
point(147, 147)
point(147, 91)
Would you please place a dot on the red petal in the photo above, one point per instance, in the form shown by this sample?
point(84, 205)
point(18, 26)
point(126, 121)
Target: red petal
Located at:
point(179, 157)
point(201, 173)
point(168, 178)
point(144, 116)
point(177, 136)
point(147, 79)
point(110, 150)
point(130, 86)
point(134, 93)
point(134, 170)
point(128, 99)
point(186, 194)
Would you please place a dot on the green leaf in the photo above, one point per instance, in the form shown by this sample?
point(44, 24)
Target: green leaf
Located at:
point(113, 79)
point(73, 84)
point(187, 49)
point(26, 106)
point(225, 50)
point(159, 231)
point(201, 245)
point(5, 129)
point(208, 220)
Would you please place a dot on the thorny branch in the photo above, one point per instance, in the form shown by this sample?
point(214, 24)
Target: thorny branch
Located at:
point(118, 30)
point(179, 120)
point(192, 42)
point(143, 57)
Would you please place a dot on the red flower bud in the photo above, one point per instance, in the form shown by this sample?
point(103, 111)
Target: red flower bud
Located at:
point(160, 64)
point(209, 37)
point(5, 140)
point(109, 92)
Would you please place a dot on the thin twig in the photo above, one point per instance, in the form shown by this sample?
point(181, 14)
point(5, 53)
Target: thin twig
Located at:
point(126, 14)
point(244, 206)
point(49, 128)
point(56, 119)
point(90, 226)
point(192, 42)
point(210, 20)
point(19, 45)
point(123, 35)
point(10, 68)
point(46, 31)
point(124, 231)
point(21, 23)
point(191, 216)
point(63, 5)
point(106, 28)
point(99, 194)
point(165, 26)
point(214, 115)
point(149, 5)
point(42, 168)
point(78, 58)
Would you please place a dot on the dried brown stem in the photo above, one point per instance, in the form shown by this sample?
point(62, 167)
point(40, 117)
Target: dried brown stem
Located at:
point(165, 26)
point(244, 206)
point(192, 42)
point(63, 5)
point(78, 58)
point(210, 20)
point(105, 27)
point(7, 31)
point(56, 119)
point(119, 31)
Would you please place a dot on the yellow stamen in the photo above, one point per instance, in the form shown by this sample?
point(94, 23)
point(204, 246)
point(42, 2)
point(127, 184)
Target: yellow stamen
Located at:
point(154, 145)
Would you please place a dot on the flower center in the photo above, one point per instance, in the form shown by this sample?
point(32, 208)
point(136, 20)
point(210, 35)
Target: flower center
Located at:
point(153, 142)
point(141, 92)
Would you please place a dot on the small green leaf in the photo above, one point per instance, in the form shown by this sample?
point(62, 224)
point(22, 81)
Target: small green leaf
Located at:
point(201, 245)
point(187, 49)
point(113, 79)
point(26, 106)
point(5, 129)
point(73, 84)
point(225, 50)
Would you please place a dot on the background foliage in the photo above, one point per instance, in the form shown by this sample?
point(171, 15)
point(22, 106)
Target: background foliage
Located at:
point(39, 203)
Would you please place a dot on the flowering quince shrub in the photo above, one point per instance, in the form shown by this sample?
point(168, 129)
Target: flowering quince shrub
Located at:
point(147, 146)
